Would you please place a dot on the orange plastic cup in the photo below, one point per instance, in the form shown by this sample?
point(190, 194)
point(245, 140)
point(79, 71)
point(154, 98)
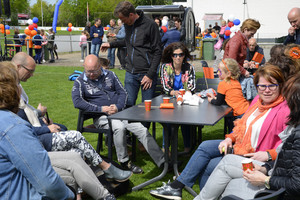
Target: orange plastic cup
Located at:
point(247, 164)
point(182, 92)
point(166, 99)
point(148, 105)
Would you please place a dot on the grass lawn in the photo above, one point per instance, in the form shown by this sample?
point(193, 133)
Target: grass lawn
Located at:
point(51, 87)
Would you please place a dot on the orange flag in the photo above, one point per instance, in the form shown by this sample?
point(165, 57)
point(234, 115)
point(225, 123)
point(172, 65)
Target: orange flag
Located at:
point(258, 57)
point(208, 72)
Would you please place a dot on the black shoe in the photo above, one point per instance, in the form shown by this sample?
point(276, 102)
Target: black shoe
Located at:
point(51, 61)
point(117, 174)
point(130, 166)
point(121, 68)
point(167, 192)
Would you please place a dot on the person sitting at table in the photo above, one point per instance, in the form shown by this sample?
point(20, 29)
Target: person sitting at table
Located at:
point(255, 135)
point(229, 89)
point(253, 48)
point(176, 74)
point(100, 90)
point(228, 177)
point(17, 40)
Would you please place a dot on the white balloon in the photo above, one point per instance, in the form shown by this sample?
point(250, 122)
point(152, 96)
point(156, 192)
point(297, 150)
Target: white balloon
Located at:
point(234, 29)
point(231, 18)
point(29, 21)
point(164, 23)
point(232, 34)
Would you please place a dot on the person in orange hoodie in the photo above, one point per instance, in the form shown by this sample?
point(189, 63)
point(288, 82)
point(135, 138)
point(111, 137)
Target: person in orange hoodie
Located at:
point(30, 44)
point(213, 33)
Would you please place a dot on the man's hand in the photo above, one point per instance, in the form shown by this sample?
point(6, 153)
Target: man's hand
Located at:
point(260, 156)
point(146, 82)
point(246, 64)
point(45, 121)
point(96, 35)
point(292, 31)
point(105, 109)
point(113, 109)
point(104, 47)
point(252, 65)
point(255, 177)
point(260, 168)
point(43, 109)
point(54, 128)
point(224, 144)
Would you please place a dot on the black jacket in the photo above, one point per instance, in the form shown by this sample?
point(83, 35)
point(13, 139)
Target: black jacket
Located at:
point(143, 46)
point(286, 173)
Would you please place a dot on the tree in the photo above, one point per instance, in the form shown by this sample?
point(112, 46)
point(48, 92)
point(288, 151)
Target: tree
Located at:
point(48, 10)
point(18, 6)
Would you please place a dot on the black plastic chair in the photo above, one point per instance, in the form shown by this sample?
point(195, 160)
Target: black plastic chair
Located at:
point(85, 115)
point(261, 195)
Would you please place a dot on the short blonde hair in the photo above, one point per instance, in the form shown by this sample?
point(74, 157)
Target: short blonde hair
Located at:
point(233, 67)
point(250, 24)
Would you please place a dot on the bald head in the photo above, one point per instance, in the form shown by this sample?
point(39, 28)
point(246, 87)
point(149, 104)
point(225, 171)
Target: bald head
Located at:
point(294, 17)
point(25, 65)
point(92, 67)
point(252, 44)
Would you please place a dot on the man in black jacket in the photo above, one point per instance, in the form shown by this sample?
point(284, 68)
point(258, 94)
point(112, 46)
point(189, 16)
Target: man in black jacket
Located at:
point(143, 51)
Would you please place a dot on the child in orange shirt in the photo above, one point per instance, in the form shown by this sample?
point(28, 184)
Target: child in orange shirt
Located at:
point(229, 89)
point(30, 44)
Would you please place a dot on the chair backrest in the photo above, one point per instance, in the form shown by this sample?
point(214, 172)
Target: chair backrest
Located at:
point(211, 83)
point(159, 88)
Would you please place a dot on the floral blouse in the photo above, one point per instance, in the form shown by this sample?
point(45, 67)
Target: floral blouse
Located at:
point(168, 76)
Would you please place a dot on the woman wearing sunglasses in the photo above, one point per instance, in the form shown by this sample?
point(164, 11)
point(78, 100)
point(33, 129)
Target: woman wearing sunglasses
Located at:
point(176, 74)
point(255, 135)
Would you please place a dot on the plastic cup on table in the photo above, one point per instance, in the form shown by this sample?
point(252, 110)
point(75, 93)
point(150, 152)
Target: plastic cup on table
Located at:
point(166, 99)
point(182, 92)
point(148, 105)
point(247, 164)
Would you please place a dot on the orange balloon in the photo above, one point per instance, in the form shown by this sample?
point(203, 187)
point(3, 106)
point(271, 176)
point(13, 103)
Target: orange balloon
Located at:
point(1, 26)
point(33, 33)
point(27, 31)
point(7, 32)
point(69, 24)
point(2, 30)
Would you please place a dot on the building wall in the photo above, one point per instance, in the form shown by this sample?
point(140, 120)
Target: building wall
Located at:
point(272, 14)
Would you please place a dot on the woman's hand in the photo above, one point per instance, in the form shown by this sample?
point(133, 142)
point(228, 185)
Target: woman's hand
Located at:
point(255, 177)
point(260, 156)
point(224, 145)
point(175, 93)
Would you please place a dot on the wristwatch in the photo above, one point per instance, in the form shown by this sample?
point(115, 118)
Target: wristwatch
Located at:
point(267, 182)
point(269, 156)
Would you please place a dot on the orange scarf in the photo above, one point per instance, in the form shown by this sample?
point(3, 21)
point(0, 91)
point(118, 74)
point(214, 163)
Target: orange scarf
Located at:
point(243, 139)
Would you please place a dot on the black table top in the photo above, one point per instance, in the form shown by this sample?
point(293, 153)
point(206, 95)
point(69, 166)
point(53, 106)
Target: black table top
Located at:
point(203, 114)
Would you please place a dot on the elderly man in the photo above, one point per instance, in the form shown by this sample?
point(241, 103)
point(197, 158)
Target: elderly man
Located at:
point(249, 64)
point(294, 30)
point(100, 90)
point(26, 67)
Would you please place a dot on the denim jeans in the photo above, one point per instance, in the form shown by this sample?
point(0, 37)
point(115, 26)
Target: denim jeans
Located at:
point(83, 51)
point(186, 135)
point(132, 86)
point(95, 49)
point(201, 164)
point(111, 56)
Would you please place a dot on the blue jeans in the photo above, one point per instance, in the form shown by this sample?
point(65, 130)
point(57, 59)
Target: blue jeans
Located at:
point(111, 56)
point(201, 164)
point(132, 86)
point(95, 49)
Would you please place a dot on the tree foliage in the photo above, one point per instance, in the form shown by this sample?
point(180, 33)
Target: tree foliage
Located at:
point(75, 11)
point(18, 6)
point(48, 10)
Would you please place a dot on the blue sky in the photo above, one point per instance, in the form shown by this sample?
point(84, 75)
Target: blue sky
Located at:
point(48, 1)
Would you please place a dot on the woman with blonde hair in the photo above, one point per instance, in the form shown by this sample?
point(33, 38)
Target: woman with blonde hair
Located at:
point(236, 47)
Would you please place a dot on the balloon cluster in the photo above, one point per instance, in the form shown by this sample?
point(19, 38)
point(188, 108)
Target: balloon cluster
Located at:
point(31, 30)
point(5, 28)
point(231, 28)
point(69, 27)
point(107, 27)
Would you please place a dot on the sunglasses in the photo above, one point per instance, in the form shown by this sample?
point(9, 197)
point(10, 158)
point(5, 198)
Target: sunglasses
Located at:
point(175, 55)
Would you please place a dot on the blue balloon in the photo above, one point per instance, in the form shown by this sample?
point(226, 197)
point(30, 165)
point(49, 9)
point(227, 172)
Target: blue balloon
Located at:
point(67, 29)
point(227, 28)
point(54, 23)
point(236, 22)
point(226, 37)
point(107, 25)
point(35, 29)
point(35, 20)
point(7, 27)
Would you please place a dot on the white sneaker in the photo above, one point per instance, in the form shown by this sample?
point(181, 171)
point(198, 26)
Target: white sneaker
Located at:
point(81, 60)
point(44, 61)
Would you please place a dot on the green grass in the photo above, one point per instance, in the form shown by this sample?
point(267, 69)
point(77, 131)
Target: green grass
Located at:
point(51, 87)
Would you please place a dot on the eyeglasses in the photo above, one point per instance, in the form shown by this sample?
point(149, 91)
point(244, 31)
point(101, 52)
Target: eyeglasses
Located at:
point(175, 55)
point(271, 87)
point(92, 71)
point(29, 70)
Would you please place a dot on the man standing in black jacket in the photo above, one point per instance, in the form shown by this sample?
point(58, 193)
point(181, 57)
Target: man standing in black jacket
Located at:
point(143, 51)
point(88, 29)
